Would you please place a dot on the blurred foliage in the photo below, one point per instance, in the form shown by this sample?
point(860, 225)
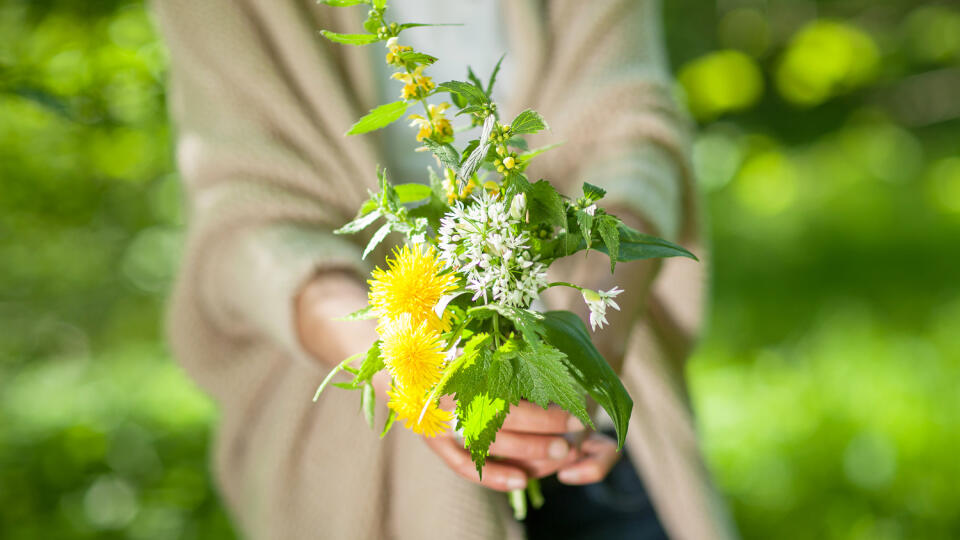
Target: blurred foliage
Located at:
point(826, 388)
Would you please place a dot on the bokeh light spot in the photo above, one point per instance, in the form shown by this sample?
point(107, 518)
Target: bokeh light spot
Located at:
point(721, 82)
point(767, 183)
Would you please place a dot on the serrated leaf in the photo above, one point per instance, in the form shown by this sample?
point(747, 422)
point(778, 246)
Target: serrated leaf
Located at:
point(543, 378)
point(412, 192)
point(471, 351)
point(472, 77)
point(566, 332)
point(481, 420)
point(378, 237)
point(344, 3)
point(607, 227)
point(500, 378)
point(470, 92)
point(471, 164)
point(358, 224)
point(368, 402)
point(528, 121)
point(525, 321)
point(446, 153)
point(350, 39)
point(379, 117)
point(519, 143)
point(592, 192)
point(493, 75)
point(418, 57)
point(359, 315)
point(469, 109)
point(545, 204)
point(585, 221)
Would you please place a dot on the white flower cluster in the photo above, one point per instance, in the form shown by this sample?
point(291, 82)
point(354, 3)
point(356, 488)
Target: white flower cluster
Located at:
point(484, 242)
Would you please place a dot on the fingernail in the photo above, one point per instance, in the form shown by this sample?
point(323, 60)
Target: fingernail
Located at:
point(558, 449)
point(516, 482)
point(568, 476)
point(574, 424)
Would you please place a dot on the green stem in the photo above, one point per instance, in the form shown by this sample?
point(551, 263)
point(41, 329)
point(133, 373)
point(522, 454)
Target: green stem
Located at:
point(562, 284)
point(518, 501)
point(534, 492)
point(340, 367)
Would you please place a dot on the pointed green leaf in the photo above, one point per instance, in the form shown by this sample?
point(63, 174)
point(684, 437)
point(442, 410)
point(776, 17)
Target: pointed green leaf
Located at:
point(545, 204)
point(493, 76)
point(529, 121)
point(446, 153)
point(481, 419)
point(350, 39)
point(378, 237)
point(470, 92)
point(418, 57)
point(543, 378)
point(592, 192)
point(412, 192)
point(585, 221)
point(566, 332)
point(359, 315)
point(607, 226)
point(391, 416)
point(379, 117)
point(372, 363)
point(358, 224)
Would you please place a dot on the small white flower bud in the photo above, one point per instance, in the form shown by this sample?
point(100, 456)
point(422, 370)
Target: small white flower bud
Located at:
point(519, 206)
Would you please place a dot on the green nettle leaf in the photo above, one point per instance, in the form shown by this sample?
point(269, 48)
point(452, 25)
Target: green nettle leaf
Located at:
point(359, 315)
point(543, 378)
point(446, 153)
point(473, 94)
point(359, 224)
point(472, 77)
point(471, 351)
point(379, 117)
point(481, 420)
point(378, 237)
point(529, 121)
point(344, 3)
point(350, 39)
point(418, 57)
point(368, 401)
point(380, 4)
point(417, 25)
point(525, 321)
point(635, 246)
point(412, 192)
point(607, 226)
point(593, 192)
point(566, 332)
point(585, 221)
point(545, 204)
point(519, 143)
point(500, 379)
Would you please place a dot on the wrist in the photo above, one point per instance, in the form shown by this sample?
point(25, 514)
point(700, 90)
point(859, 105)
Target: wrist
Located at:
point(319, 302)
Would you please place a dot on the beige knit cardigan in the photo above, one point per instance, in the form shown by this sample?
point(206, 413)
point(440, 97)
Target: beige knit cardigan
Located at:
point(261, 102)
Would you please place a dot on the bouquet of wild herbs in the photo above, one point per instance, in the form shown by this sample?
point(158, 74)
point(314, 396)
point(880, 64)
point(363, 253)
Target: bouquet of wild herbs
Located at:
point(455, 304)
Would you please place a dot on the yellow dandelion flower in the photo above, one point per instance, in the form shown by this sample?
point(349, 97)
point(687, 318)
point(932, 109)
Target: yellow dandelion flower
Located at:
point(411, 284)
point(412, 352)
point(408, 404)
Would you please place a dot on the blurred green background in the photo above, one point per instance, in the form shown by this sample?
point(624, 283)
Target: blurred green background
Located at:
point(827, 386)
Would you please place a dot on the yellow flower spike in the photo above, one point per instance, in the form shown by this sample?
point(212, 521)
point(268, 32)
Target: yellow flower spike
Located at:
point(411, 284)
point(509, 162)
point(492, 187)
point(412, 352)
point(408, 404)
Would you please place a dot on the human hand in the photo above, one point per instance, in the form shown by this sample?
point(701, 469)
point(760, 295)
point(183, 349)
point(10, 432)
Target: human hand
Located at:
point(532, 444)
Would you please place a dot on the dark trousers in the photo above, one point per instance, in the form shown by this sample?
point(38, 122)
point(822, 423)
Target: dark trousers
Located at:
point(615, 509)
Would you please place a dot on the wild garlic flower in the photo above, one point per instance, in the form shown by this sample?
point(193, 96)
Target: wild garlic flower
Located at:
point(484, 243)
point(598, 301)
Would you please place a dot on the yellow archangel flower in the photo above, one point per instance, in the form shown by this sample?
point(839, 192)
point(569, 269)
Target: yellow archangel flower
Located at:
point(412, 284)
point(412, 352)
point(393, 56)
point(435, 126)
point(408, 403)
point(415, 84)
point(450, 187)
